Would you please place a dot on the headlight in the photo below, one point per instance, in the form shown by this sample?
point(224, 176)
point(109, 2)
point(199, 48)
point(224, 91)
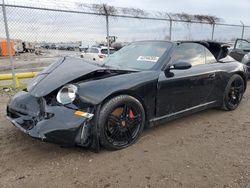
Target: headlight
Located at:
point(67, 94)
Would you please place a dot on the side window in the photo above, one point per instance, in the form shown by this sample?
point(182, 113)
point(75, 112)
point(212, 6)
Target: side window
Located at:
point(242, 44)
point(94, 50)
point(209, 57)
point(91, 50)
point(88, 50)
point(190, 52)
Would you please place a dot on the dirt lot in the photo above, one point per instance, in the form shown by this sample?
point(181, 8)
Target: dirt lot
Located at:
point(26, 62)
point(208, 149)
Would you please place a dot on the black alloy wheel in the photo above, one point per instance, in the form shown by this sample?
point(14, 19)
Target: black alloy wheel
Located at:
point(121, 121)
point(234, 92)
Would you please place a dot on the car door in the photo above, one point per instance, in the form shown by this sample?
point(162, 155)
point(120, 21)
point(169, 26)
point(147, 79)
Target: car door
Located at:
point(91, 54)
point(185, 89)
point(94, 54)
point(241, 47)
point(87, 54)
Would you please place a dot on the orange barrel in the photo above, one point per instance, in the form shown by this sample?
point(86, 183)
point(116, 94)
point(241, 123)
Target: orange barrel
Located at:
point(4, 48)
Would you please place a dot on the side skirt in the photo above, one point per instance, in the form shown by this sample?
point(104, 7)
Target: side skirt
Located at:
point(172, 116)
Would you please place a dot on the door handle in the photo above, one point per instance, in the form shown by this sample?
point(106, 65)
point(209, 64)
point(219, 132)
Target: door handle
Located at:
point(211, 76)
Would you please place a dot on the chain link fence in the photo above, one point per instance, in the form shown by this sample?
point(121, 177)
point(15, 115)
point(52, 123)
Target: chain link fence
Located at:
point(191, 31)
point(247, 33)
point(39, 32)
point(131, 29)
point(227, 33)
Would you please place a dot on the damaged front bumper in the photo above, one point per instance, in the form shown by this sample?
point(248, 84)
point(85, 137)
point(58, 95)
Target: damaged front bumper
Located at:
point(57, 124)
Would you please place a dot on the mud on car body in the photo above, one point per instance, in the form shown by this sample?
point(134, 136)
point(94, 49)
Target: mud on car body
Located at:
point(77, 102)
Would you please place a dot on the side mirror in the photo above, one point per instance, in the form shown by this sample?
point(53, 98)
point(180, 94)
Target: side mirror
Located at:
point(179, 66)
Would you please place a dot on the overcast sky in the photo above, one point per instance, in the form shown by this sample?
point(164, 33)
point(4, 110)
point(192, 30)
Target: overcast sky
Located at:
point(61, 27)
point(229, 10)
point(232, 11)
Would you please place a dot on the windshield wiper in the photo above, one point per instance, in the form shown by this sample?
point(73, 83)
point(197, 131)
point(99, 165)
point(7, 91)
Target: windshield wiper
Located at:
point(115, 67)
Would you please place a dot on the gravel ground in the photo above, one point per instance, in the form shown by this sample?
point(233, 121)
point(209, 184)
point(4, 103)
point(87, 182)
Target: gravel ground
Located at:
point(207, 149)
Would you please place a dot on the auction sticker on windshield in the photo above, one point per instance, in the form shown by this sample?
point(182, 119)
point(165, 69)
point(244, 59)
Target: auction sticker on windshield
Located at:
point(148, 58)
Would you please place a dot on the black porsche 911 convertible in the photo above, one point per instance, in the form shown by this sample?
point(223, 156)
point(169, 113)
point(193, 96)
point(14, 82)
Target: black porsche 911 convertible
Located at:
point(76, 102)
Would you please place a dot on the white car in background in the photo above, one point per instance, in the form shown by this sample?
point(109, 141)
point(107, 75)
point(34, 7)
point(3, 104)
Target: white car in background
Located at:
point(97, 53)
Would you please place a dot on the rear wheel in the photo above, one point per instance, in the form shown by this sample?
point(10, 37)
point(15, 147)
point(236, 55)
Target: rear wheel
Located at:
point(121, 121)
point(233, 93)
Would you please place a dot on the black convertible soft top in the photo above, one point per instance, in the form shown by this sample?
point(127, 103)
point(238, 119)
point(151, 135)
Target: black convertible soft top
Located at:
point(218, 49)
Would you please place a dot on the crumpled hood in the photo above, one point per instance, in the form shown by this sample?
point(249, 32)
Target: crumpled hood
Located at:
point(60, 73)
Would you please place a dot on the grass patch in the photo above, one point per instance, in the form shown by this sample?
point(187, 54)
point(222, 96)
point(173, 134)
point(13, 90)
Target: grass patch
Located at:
point(10, 90)
point(10, 86)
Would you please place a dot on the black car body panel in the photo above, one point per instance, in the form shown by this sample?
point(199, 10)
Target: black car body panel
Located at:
point(64, 71)
point(33, 116)
point(134, 83)
point(207, 82)
point(165, 95)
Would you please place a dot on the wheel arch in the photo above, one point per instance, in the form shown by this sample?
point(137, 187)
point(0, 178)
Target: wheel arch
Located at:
point(130, 93)
point(242, 75)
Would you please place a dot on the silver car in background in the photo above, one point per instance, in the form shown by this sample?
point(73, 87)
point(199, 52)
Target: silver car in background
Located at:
point(97, 53)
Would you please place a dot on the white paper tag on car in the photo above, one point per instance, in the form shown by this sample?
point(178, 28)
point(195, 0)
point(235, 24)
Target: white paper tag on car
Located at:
point(148, 58)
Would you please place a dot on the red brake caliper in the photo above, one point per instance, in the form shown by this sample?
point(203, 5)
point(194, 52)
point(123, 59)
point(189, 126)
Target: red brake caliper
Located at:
point(131, 114)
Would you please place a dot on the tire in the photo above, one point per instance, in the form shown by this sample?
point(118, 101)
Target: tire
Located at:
point(233, 93)
point(121, 122)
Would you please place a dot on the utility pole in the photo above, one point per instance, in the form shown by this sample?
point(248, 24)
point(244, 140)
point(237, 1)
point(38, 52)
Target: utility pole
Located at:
point(9, 45)
point(107, 26)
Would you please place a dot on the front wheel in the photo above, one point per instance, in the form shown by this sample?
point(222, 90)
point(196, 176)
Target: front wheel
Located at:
point(233, 93)
point(121, 121)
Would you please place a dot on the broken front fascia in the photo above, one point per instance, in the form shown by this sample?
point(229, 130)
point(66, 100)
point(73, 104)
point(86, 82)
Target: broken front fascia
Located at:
point(58, 124)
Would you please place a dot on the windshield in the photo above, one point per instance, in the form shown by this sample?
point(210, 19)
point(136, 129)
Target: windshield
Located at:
point(139, 55)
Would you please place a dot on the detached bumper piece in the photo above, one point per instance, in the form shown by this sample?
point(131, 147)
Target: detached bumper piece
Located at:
point(56, 124)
